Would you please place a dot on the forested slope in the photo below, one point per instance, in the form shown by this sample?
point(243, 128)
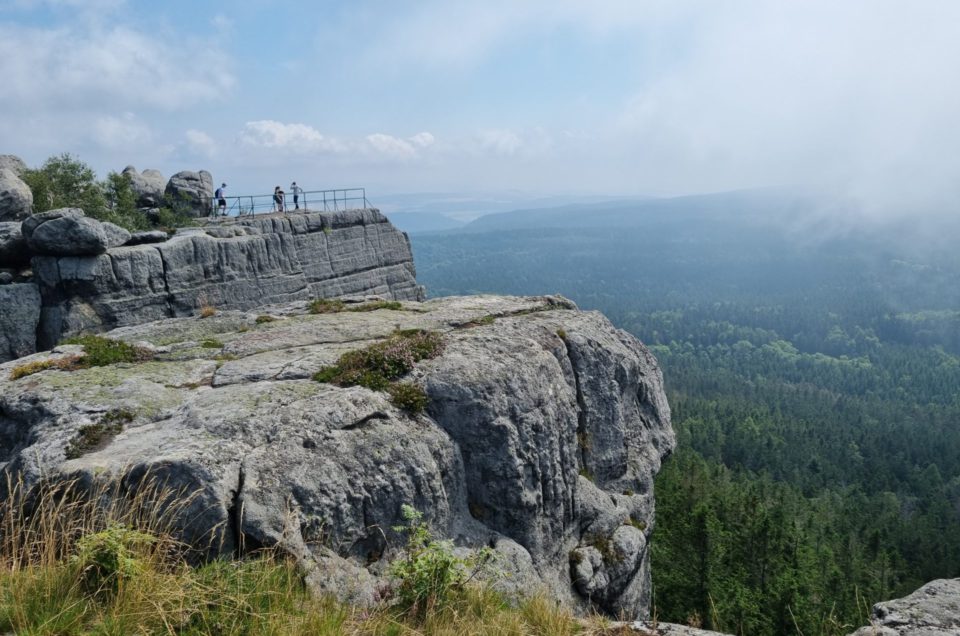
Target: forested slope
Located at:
point(815, 385)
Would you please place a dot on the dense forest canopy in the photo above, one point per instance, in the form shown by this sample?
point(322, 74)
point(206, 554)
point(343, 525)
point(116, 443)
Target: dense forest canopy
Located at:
point(814, 377)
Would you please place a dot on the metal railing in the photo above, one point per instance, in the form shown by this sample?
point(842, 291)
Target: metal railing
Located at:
point(305, 201)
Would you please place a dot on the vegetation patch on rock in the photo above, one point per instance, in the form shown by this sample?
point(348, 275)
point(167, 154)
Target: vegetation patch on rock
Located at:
point(100, 351)
point(95, 436)
point(378, 366)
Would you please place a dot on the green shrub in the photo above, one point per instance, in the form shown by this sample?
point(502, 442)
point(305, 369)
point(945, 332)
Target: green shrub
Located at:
point(100, 351)
point(383, 362)
point(408, 397)
point(378, 304)
point(325, 306)
point(94, 436)
point(211, 343)
point(430, 576)
point(110, 557)
point(264, 319)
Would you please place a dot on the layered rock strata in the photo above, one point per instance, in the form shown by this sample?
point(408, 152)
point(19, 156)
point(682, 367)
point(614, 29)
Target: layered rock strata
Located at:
point(257, 261)
point(544, 429)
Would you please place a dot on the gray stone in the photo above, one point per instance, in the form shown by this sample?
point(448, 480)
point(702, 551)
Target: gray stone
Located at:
point(151, 236)
point(261, 261)
point(932, 610)
point(13, 163)
point(321, 472)
point(148, 186)
point(6, 278)
point(71, 235)
point(190, 192)
point(13, 248)
point(33, 221)
point(16, 199)
point(19, 314)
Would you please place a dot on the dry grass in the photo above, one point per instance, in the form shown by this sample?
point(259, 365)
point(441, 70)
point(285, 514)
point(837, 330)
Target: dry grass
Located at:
point(68, 363)
point(46, 575)
point(206, 311)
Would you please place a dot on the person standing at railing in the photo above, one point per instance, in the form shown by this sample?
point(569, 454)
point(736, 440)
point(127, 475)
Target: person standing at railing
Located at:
point(295, 190)
point(278, 199)
point(220, 196)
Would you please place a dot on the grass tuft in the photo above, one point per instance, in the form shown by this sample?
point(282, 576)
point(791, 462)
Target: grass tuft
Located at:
point(325, 306)
point(408, 397)
point(264, 319)
point(211, 343)
point(100, 352)
point(207, 311)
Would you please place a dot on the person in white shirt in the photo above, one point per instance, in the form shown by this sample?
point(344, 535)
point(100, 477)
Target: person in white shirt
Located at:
point(296, 190)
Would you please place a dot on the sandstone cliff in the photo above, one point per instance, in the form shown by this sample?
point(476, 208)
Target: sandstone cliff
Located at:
point(544, 429)
point(254, 262)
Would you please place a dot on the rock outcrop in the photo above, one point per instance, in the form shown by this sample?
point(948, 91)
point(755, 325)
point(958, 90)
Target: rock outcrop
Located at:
point(148, 186)
point(932, 610)
point(13, 248)
point(68, 232)
point(16, 199)
point(89, 282)
point(262, 260)
point(14, 164)
point(544, 428)
point(190, 192)
point(19, 315)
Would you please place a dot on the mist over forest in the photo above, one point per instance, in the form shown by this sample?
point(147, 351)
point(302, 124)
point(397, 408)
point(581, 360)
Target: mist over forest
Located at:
point(812, 361)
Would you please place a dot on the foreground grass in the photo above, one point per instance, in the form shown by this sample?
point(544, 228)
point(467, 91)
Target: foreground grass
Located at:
point(256, 596)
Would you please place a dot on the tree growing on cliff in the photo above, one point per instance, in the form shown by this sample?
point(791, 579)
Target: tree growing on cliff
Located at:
point(64, 181)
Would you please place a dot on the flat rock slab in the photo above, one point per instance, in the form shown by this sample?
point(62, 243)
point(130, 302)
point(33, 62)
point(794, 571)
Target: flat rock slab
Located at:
point(932, 610)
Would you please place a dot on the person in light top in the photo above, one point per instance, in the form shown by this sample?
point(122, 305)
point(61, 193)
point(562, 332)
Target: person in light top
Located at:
point(295, 190)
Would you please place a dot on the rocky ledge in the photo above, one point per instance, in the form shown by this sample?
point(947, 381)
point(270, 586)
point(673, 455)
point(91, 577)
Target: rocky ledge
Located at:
point(543, 430)
point(93, 276)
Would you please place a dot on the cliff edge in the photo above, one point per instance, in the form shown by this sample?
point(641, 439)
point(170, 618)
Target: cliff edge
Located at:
point(543, 429)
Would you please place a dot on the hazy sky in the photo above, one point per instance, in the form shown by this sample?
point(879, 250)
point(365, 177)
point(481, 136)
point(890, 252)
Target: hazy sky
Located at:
point(543, 96)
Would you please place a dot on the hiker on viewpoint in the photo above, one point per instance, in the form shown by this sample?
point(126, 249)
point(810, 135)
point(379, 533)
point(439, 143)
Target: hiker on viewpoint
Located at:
point(296, 190)
point(221, 199)
point(278, 199)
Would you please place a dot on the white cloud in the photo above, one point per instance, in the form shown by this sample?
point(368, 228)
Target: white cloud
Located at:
point(502, 142)
point(201, 143)
point(267, 133)
point(390, 147)
point(120, 132)
point(88, 68)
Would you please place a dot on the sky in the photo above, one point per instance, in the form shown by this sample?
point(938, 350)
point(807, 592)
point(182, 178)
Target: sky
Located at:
point(544, 97)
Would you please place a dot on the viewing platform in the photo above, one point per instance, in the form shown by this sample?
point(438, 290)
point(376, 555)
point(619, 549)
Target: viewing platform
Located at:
point(308, 201)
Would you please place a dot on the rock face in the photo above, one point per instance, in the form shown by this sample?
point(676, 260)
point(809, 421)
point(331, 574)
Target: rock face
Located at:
point(16, 199)
point(544, 428)
point(14, 164)
point(68, 232)
point(933, 610)
point(19, 314)
point(148, 186)
point(13, 249)
point(190, 192)
point(260, 261)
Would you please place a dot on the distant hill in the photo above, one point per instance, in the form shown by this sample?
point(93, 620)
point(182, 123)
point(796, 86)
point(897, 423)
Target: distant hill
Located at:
point(417, 222)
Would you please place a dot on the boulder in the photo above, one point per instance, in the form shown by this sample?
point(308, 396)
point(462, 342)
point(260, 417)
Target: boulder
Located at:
point(13, 247)
point(932, 610)
point(16, 199)
point(19, 315)
point(68, 232)
point(272, 458)
point(148, 186)
point(190, 192)
point(13, 163)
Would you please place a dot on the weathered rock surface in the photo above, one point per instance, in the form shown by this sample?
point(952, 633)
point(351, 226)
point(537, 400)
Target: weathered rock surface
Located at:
point(68, 232)
point(150, 236)
point(147, 186)
point(14, 164)
point(16, 199)
point(528, 396)
point(19, 314)
point(933, 610)
point(190, 192)
point(263, 260)
point(13, 248)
